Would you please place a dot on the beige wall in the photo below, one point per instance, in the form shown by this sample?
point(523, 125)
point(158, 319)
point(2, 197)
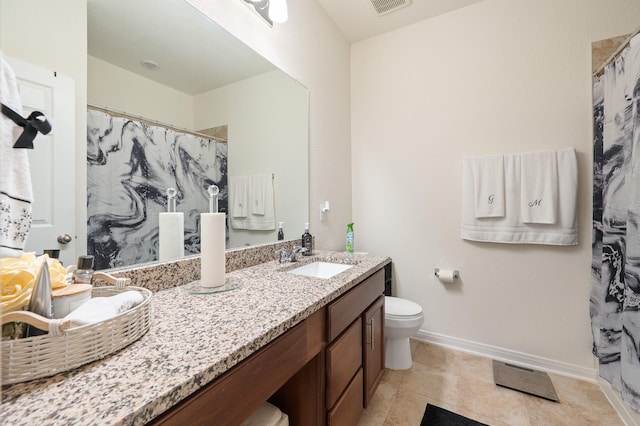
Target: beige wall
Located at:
point(500, 76)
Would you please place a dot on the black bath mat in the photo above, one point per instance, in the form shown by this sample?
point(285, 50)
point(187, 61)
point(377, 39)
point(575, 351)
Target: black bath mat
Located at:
point(436, 416)
point(525, 380)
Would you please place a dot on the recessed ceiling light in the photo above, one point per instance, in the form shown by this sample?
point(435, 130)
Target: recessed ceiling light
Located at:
point(149, 64)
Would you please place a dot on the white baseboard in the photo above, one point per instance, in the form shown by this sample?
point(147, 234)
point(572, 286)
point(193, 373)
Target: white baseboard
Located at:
point(512, 357)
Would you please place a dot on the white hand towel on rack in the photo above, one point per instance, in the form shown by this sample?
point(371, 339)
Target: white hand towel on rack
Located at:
point(539, 187)
point(488, 185)
point(16, 193)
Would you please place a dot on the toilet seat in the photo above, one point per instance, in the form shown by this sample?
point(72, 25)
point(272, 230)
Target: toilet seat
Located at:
point(395, 307)
point(403, 317)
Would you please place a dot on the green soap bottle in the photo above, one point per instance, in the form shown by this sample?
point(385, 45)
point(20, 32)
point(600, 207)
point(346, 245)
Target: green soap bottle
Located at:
point(350, 238)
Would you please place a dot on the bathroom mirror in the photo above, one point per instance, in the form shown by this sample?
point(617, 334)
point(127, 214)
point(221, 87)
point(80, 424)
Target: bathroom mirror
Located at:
point(205, 79)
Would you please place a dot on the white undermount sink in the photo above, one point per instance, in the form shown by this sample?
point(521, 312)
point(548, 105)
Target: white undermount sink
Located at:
point(320, 269)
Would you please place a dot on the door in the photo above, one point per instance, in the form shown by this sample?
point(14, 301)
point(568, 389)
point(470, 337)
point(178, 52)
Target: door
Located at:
point(52, 161)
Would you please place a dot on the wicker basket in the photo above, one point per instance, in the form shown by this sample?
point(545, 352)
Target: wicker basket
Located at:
point(42, 356)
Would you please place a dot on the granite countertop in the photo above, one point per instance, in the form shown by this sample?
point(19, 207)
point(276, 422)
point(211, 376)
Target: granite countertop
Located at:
point(192, 340)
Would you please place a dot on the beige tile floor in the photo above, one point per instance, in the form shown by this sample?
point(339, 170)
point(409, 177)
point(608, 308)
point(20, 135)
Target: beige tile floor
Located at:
point(463, 383)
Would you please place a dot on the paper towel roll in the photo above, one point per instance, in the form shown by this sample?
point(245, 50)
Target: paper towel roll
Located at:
point(171, 229)
point(446, 275)
point(212, 246)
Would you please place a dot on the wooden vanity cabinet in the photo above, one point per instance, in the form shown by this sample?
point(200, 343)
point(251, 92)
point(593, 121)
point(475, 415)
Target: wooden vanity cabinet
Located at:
point(355, 351)
point(322, 371)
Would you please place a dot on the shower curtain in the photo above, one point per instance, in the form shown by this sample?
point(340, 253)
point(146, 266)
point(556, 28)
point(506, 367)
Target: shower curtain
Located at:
point(615, 290)
point(130, 165)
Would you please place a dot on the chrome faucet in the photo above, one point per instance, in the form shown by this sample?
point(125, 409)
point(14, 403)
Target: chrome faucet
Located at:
point(290, 257)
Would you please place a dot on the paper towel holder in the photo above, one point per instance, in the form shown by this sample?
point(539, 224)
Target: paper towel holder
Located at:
point(436, 272)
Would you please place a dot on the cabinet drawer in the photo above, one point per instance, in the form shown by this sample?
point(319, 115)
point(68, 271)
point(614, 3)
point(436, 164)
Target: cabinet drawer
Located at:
point(350, 305)
point(348, 409)
point(344, 358)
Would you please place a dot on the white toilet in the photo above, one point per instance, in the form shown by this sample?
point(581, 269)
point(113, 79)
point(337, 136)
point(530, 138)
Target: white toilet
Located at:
point(402, 319)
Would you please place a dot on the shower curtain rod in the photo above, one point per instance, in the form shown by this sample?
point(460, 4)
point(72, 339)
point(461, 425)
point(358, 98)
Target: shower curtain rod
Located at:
point(169, 126)
point(617, 52)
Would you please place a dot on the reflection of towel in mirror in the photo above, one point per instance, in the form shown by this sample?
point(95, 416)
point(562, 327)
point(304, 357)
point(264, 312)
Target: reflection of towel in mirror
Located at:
point(260, 215)
point(103, 308)
point(259, 193)
point(239, 192)
point(16, 193)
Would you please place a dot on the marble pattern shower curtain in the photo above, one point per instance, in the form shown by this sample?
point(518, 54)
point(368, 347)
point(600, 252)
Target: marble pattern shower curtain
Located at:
point(615, 289)
point(130, 165)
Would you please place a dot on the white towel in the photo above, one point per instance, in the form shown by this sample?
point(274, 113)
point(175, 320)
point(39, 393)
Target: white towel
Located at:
point(539, 187)
point(567, 187)
point(265, 221)
point(488, 185)
point(100, 309)
point(510, 228)
point(239, 191)
point(16, 193)
point(258, 196)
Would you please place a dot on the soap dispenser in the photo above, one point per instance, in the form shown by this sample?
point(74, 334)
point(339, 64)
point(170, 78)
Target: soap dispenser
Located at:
point(307, 241)
point(280, 231)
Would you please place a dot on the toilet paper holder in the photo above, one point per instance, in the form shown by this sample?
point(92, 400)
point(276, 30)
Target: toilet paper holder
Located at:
point(436, 272)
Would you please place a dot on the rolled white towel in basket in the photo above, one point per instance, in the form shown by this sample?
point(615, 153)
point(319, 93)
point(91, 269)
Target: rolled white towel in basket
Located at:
point(100, 309)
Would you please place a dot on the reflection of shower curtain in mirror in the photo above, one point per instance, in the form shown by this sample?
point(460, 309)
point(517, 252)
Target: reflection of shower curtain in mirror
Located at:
point(130, 165)
point(615, 291)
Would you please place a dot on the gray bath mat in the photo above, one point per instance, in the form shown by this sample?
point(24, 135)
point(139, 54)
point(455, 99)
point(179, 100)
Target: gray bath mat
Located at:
point(524, 380)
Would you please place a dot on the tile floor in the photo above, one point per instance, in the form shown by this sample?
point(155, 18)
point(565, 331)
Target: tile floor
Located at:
point(463, 383)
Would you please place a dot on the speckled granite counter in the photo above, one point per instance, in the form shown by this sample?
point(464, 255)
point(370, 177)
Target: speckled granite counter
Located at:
point(193, 339)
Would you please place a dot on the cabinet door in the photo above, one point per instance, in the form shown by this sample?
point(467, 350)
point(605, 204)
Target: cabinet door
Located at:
point(373, 348)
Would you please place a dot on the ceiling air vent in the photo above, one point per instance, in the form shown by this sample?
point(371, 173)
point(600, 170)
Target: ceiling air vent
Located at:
point(387, 6)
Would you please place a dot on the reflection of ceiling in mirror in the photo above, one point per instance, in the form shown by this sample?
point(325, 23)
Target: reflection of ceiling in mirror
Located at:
point(194, 54)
